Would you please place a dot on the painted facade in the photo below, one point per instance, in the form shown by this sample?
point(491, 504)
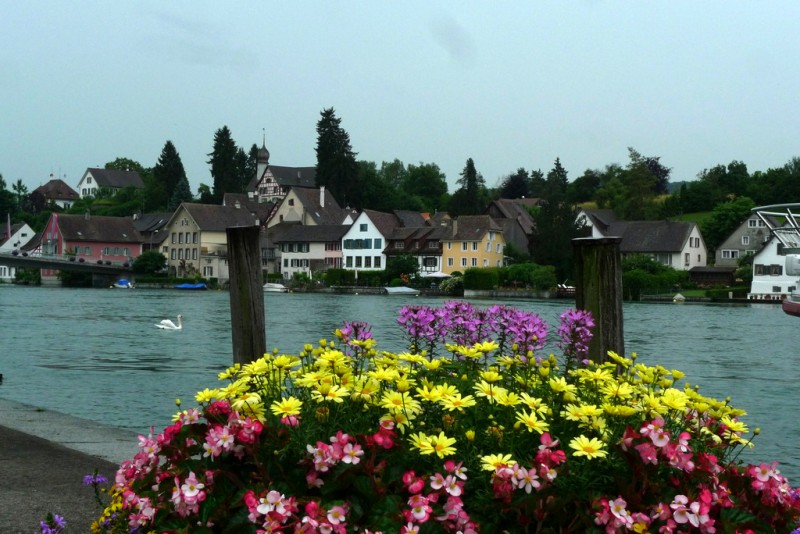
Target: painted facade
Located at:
point(475, 241)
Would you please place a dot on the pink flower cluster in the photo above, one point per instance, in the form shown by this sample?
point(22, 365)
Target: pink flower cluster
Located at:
point(695, 505)
point(343, 448)
point(508, 478)
point(447, 487)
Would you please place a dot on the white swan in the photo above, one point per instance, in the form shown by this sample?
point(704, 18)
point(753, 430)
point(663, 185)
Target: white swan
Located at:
point(166, 324)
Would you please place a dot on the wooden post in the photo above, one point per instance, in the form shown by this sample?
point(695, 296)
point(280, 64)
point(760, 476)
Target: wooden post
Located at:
point(598, 289)
point(247, 294)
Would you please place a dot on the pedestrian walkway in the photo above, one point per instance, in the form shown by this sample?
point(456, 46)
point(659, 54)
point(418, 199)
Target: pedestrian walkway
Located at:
point(44, 456)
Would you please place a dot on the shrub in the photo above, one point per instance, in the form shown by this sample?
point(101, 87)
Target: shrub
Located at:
point(481, 278)
point(475, 428)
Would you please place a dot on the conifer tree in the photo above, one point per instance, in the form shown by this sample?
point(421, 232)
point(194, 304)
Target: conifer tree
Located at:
point(182, 193)
point(337, 168)
point(471, 198)
point(167, 174)
point(224, 170)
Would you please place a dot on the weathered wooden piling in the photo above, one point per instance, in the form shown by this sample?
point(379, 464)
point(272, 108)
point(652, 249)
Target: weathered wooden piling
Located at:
point(248, 329)
point(598, 289)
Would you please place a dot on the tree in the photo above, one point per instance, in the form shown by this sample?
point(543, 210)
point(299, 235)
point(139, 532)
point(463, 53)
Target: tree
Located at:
point(149, 262)
point(6, 198)
point(223, 164)
point(378, 194)
point(20, 190)
point(517, 185)
point(471, 198)
point(204, 194)
point(182, 193)
point(167, 173)
point(556, 226)
point(584, 188)
point(125, 164)
point(723, 221)
point(654, 167)
point(427, 183)
point(336, 162)
point(405, 264)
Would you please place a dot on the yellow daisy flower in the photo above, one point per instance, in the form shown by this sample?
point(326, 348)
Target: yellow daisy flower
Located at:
point(591, 448)
point(491, 462)
point(457, 402)
point(531, 422)
point(286, 407)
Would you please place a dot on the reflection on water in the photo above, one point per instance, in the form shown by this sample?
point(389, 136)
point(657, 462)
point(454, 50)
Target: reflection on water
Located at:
point(97, 354)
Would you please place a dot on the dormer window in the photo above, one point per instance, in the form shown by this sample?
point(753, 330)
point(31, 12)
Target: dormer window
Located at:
point(291, 202)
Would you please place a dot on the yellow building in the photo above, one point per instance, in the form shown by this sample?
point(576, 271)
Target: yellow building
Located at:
point(475, 241)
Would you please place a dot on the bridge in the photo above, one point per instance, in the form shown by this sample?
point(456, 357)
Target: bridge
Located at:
point(104, 273)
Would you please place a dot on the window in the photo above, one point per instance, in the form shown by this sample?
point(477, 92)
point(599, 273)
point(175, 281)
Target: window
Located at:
point(399, 245)
point(362, 227)
point(187, 238)
point(377, 262)
point(378, 243)
point(686, 259)
point(180, 253)
point(730, 254)
point(499, 248)
point(485, 263)
point(488, 247)
point(429, 261)
point(291, 202)
point(745, 240)
point(491, 236)
point(285, 262)
point(756, 223)
point(173, 238)
point(474, 262)
point(106, 251)
point(208, 272)
point(180, 238)
point(463, 262)
point(87, 251)
point(194, 253)
point(464, 246)
point(449, 245)
point(776, 289)
point(760, 270)
point(368, 243)
point(194, 237)
point(776, 270)
point(125, 251)
point(116, 251)
point(88, 179)
point(348, 261)
point(173, 254)
point(368, 262)
point(358, 261)
point(449, 262)
point(474, 245)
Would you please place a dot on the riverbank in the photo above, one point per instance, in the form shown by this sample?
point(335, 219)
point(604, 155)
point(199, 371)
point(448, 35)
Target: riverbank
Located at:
point(44, 456)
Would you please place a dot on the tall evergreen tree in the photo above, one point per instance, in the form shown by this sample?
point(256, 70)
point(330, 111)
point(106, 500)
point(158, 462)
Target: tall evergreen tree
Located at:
point(551, 242)
point(337, 168)
point(243, 171)
point(428, 183)
point(223, 164)
point(167, 173)
point(182, 193)
point(471, 198)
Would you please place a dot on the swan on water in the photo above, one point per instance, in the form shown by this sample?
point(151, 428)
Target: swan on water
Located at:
point(167, 324)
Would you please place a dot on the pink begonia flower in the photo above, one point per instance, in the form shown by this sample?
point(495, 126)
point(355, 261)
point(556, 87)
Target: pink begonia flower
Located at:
point(191, 487)
point(409, 528)
point(660, 438)
point(527, 479)
point(352, 453)
point(453, 486)
point(337, 514)
point(648, 453)
point(456, 469)
point(437, 481)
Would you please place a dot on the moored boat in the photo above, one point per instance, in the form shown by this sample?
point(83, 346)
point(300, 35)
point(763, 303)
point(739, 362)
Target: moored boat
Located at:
point(122, 283)
point(791, 305)
point(401, 290)
point(274, 287)
point(198, 286)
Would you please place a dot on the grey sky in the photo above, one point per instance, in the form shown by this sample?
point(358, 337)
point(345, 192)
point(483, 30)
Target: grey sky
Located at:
point(509, 84)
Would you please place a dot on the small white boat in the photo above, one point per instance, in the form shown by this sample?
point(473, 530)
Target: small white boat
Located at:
point(401, 290)
point(678, 298)
point(123, 284)
point(274, 287)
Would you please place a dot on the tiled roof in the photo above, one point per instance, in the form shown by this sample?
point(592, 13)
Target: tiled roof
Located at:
point(410, 218)
point(260, 210)
point(651, 236)
point(332, 213)
point(288, 177)
point(57, 190)
point(324, 233)
point(98, 228)
point(473, 227)
point(115, 178)
point(385, 222)
point(215, 218)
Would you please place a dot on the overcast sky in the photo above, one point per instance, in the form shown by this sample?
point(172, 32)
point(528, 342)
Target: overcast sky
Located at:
point(509, 84)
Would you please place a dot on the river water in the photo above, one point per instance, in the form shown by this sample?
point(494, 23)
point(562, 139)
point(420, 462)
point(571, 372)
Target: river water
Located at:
point(96, 354)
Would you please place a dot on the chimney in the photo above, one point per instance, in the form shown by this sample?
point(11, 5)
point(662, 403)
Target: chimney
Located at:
point(322, 196)
point(455, 227)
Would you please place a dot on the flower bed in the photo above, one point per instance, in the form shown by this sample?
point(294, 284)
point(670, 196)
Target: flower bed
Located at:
point(473, 429)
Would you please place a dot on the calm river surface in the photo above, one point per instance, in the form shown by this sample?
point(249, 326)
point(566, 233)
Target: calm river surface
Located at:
point(96, 354)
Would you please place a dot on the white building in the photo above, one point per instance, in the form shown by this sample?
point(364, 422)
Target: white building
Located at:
point(13, 237)
point(770, 278)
